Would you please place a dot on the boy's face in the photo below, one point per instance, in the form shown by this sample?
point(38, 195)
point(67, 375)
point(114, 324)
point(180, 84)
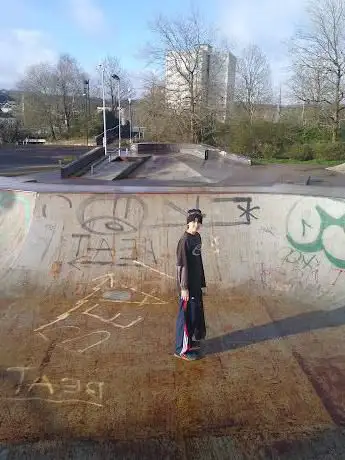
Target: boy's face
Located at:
point(194, 227)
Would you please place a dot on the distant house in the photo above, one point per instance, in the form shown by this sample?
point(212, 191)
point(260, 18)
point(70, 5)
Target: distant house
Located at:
point(7, 103)
point(7, 107)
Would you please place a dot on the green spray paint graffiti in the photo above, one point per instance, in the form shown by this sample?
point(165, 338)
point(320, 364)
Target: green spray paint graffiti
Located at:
point(9, 199)
point(314, 226)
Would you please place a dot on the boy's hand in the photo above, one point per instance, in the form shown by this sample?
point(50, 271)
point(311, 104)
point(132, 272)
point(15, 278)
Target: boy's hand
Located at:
point(185, 294)
point(204, 291)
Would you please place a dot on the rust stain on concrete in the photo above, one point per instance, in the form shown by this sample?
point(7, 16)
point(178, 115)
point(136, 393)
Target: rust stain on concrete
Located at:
point(56, 269)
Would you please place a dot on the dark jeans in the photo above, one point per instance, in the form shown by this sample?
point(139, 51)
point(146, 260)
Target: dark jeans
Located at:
point(190, 322)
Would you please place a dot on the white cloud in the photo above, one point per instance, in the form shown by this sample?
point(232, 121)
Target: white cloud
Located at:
point(20, 48)
point(266, 23)
point(88, 15)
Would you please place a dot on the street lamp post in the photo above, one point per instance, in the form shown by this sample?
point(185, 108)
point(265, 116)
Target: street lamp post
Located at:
point(116, 77)
point(104, 114)
point(130, 117)
point(87, 107)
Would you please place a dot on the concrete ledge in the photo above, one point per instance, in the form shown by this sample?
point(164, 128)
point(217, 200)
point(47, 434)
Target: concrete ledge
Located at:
point(154, 148)
point(78, 166)
point(113, 187)
point(133, 165)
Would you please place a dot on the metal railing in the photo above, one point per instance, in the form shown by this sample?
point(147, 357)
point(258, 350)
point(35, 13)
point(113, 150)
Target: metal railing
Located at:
point(111, 135)
point(98, 162)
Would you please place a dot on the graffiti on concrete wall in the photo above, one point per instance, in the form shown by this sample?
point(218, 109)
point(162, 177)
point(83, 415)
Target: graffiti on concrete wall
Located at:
point(246, 215)
point(305, 266)
point(94, 250)
point(125, 215)
point(317, 225)
point(109, 228)
point(15, 219)
point(64, 199)
point(95, 243)
point(10, 199)
point(247, 212)
point(116, 231)
point(303, 261)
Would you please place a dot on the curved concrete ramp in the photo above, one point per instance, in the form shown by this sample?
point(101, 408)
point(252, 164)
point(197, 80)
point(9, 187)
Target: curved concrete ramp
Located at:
point(88, 311)
point(16, 211)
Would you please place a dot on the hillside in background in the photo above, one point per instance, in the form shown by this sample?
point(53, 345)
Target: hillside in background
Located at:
point(6, 96)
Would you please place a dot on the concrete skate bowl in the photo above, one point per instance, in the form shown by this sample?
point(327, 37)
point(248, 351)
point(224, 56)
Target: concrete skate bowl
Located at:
point(88, 309)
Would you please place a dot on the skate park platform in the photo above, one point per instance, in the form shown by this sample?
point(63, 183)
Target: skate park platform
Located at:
point(88, 307)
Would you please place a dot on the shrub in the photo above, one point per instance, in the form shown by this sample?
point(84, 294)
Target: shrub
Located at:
point(300, 152)
point(329, 151)
point(311, 134)
point(317, 150)
point(270, 151)
point(264, 139)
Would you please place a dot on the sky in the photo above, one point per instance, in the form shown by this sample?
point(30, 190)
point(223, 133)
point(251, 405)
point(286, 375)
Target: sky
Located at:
point(33, 31)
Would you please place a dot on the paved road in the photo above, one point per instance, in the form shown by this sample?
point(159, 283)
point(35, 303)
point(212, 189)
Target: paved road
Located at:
point(12, 157)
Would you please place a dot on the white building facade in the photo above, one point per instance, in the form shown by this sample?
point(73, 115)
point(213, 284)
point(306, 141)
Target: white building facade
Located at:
point(212, 84)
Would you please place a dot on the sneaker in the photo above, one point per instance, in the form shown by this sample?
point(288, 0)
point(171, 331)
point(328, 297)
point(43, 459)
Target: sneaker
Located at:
point(188, 356)
point(195, 345)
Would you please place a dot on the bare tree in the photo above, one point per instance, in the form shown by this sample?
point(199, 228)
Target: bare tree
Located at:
point(52, 95)
point(183, 46)
point(39, 98)
point(253, 84)
point(154, 113)
point(151, 111)
point(318, 59)
point(112, 66)
point(310, 86)
point(69, 80)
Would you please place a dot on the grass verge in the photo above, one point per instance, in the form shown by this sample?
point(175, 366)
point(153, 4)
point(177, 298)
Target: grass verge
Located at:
point(292, 161)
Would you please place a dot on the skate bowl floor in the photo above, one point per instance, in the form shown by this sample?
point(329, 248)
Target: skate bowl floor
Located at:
point(87, 321)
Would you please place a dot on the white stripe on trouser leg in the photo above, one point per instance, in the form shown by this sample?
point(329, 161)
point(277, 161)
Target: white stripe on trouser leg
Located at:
point(185, 341)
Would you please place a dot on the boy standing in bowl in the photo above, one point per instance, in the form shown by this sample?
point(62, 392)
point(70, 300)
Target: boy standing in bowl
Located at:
point(191, 281)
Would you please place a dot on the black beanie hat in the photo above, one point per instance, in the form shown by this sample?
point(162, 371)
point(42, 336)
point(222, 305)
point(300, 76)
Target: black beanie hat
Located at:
point(194, 214)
